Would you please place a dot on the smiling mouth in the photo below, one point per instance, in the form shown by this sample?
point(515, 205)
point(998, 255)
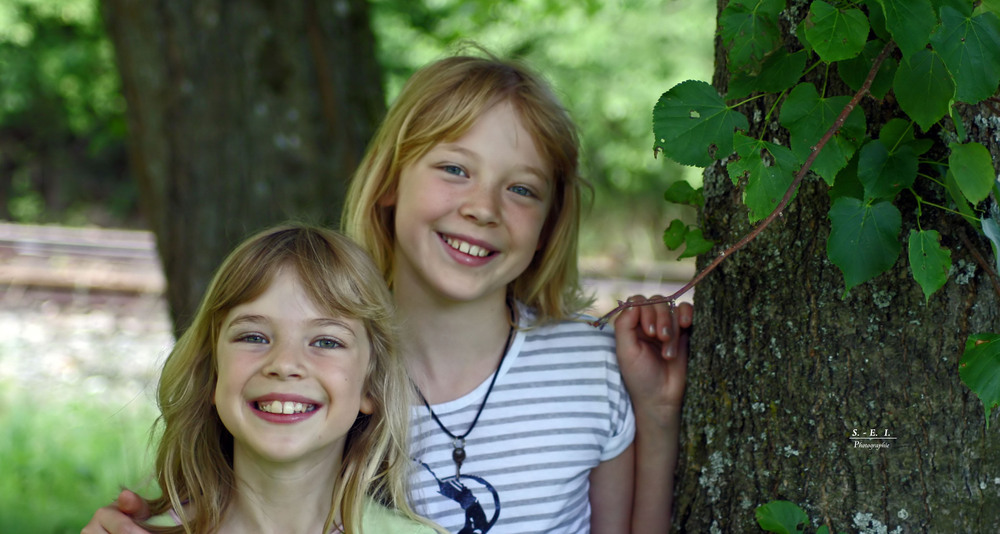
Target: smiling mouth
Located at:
point(285, 408)
point(466, 248)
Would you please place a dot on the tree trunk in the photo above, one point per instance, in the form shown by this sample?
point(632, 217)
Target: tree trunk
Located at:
point(241, 115)
point(786, 369)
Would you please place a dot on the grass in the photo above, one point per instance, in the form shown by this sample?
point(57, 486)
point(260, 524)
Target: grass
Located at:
point(63, 454)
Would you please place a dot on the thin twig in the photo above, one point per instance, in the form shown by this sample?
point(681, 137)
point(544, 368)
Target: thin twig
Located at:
point(814, 152)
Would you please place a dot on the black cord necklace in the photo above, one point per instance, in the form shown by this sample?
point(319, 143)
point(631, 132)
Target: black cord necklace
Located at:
point(458, 442)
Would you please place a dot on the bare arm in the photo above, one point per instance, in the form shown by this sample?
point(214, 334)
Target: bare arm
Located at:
point(611, 494)
point(652, 346)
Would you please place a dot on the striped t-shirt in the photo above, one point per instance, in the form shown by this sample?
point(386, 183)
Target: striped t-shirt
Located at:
point(558, 408)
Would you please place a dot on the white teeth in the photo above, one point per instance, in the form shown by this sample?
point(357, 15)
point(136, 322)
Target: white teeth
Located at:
point(466, 248)
point(286, 408)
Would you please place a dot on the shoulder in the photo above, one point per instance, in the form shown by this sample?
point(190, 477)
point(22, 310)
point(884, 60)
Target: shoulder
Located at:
point(378, 518)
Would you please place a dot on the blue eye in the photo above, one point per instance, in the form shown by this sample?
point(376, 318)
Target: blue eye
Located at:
point(454, 169)
point(522, 190)
point(251, 338)
point(327, 343)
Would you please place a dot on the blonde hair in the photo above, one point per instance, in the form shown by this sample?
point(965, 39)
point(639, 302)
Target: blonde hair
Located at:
point(439, 103)
point(194, 461)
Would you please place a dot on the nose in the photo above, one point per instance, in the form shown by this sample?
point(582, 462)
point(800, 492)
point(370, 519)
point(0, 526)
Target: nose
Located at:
point(284, 362)
point(481, 205)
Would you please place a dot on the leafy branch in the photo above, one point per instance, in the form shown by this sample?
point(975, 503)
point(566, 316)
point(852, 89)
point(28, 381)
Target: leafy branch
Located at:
point(932, 55)
point(789, 193)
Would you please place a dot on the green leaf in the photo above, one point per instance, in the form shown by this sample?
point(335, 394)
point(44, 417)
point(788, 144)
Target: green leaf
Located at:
point(836, 34)
point(970, 48)
point(673, 236)
point(780, 71)
point(854, 71)
point(770, 170)
point(991, 228)
point(876, 17)
point(956, 196)
point(864, 239)
point(979, 369)
point(910, 22)
point(681, 192)
point(900, 132)
point(693, 125)
point(973, 168)
point(885, 173)
point(993, 6)
point(962, 6)
point(929, 261)
point(847, 183)
point(749, 30)
point(781, 517)
point(924, 88)
point(808, 117)
point(695, 244)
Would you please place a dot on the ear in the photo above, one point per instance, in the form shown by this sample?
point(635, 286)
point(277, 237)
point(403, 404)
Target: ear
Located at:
point(367, 405)
point(387, 200)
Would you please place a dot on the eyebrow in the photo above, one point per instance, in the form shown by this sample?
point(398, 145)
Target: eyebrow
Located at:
point(251, 319)
point(452, 147)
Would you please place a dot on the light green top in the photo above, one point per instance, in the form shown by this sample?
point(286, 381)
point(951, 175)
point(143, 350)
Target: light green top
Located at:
point(376, 519)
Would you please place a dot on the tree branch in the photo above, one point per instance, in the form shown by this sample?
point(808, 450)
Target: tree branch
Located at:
point(814, 152)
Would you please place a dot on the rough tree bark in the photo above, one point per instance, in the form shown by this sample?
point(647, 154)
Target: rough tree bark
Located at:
point(785, 368)
point(241, 115)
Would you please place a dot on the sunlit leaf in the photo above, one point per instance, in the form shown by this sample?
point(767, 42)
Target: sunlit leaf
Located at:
point(749, 30)
point(924, 88)
point(929, 261)
point(973, 168)
point(910, 22)
point(854, 71)
point(970, 47)
point(781, 517)
point(695, 244)
point(992, 6)
point(864, 239)
point(770, 170)
point(979, 369)
point(693, 125)
point(673, 236)
point(885, 173)
point(836, 34)
point(780, 71)
point(681, 192)
point(808, 117)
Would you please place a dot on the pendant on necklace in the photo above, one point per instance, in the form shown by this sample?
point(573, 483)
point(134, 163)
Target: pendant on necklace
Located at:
point(458, 455)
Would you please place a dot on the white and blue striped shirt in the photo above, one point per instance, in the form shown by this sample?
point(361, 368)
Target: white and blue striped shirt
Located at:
point(558, 408)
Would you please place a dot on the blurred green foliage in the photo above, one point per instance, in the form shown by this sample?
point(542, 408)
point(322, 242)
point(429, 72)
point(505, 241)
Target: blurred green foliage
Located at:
point(63, 128)
point(68, 454)
point(62, 124)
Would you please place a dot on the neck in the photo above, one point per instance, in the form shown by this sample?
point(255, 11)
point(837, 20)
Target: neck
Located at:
point(452, 347)
point(272, 498)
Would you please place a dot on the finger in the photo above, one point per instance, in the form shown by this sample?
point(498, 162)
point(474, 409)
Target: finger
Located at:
point(110, 520)
point(133, 505)
point(684, 314)
point(625, 328)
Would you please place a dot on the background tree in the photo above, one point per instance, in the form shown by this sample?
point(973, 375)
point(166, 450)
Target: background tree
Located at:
point(240, 116)
point(794, 354)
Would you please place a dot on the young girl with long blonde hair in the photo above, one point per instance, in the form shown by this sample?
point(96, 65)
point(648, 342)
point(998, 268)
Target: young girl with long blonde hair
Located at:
point(284, 404)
